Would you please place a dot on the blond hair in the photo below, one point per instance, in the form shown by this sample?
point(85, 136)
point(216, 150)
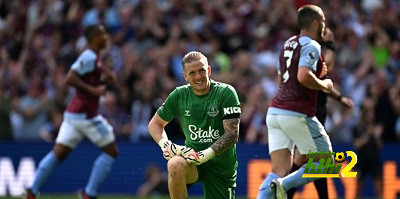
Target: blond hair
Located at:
point(192, 57)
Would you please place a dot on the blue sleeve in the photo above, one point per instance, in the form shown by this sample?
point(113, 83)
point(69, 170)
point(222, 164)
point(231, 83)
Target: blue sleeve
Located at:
point(84, 64)
point(309, 55)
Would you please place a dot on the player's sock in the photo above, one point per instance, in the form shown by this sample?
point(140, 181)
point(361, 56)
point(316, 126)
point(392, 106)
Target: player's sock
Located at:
point(295, 179)
point(322, 187)
point(290, 193)
point(265, 190)
point(100, 170)
point(45, 168)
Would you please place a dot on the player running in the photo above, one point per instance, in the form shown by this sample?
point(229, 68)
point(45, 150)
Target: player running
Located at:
point(81, 119)
point(291, 117)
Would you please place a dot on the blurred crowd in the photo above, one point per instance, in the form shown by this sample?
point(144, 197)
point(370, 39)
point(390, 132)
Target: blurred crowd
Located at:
point(40, 39)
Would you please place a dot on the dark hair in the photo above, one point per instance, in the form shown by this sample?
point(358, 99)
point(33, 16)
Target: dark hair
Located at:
point(92, 31)
point(306, 15)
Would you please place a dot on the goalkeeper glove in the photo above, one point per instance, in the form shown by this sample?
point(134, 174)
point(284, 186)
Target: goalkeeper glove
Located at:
point(170, 149)
point(197, 158)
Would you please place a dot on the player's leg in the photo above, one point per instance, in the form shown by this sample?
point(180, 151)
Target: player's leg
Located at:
point(309, 135)
point(280, 147)
point(180, 173)
point(320, 184)
point(281, 162)
point(322, 187)
point(66, 140)
point(296, 165)
point(217, 186)
point(47, 166)
point(100, 132)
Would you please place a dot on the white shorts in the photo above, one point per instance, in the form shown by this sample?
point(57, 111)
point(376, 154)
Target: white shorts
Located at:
point(286, 131)
point(75, 127)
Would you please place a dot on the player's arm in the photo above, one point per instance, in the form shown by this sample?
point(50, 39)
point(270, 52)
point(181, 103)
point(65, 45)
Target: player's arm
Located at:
point(156, 128)
point(73, 79)
point(345, 101)
point(309, 56)
point(329, 58)
point(229, 138)
point(308, 79)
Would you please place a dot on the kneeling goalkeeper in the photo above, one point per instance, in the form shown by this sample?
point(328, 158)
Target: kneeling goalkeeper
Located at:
point(209, 113)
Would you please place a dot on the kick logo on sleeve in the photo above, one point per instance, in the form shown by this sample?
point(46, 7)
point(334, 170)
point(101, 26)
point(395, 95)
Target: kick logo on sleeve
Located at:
point(327, 168)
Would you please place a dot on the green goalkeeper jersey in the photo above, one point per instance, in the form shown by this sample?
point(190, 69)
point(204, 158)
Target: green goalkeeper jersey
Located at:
point(201, 120)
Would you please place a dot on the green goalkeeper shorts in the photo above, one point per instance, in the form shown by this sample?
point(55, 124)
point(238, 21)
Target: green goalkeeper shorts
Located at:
point(215, 185)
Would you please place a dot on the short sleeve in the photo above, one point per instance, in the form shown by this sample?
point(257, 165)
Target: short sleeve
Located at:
point(230, 105)
point(309, 55)
point(85, 63)
point(169, 109)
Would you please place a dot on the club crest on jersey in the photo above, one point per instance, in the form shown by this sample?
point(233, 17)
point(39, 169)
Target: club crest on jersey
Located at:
point(311, 57)
point(212, 111)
